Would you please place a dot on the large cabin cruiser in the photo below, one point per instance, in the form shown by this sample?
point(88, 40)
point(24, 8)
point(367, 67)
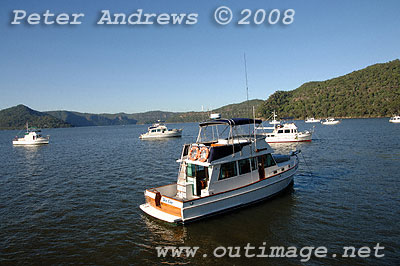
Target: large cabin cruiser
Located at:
point(32, 136)
point(159, 130)
point(395, 119)
point(222, 170)
point(287, 133)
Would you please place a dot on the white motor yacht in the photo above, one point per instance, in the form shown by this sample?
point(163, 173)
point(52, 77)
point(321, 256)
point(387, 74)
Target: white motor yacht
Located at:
point(395, 119)
point(330, 121)
point(312, 120)
point(159, 130)
point(287, 133)
point(222, 170)
point(32, 136)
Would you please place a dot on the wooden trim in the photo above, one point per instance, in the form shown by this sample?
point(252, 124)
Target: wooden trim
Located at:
point(164, 207)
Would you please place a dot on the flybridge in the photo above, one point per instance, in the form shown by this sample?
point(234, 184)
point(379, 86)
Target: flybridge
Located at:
point(106, 18)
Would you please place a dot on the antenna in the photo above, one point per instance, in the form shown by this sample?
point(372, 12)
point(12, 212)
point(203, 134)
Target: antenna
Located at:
point(247, 83)
point(247, 88)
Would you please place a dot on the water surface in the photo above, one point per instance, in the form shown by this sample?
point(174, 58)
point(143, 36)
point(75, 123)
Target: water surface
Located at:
point(75, 201)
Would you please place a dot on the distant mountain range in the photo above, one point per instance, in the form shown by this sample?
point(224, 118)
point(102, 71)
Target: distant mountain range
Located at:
point(370, 92)
point(17, 116)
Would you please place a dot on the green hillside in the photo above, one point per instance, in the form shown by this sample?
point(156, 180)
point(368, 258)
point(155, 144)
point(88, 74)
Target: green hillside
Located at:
point(243, 109)
point(370, 92)
point(16, 118)
point(85, 119)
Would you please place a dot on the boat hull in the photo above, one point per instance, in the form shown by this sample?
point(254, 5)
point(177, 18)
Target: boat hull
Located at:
point(175, 211)
point(281, 138)
point(330, 123)
point(394, 121)
point(173, 134)
point(30, 142)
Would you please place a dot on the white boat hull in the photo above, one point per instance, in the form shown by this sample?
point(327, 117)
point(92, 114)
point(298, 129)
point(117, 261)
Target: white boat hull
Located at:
point(31, 142)
point(394, 121)
point(281, 138)
point(220, 202)
point(313, 121)
point(331, 122)
point(167, 134)
point(274, 122)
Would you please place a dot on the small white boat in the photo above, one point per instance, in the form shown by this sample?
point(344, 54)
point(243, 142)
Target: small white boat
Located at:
point(287, 133)
point(330, 121)
point(395, 119)
point(32, 136)
point(159, 130)
point(312, 120)
point(222, 170)
point(274, 121)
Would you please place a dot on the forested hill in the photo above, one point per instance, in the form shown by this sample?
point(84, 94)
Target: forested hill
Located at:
point(86, 119)
point(370, 92)
point(243, 109)
point(16, 118)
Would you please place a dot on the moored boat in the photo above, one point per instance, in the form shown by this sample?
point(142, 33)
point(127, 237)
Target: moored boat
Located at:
point(395, 119)
point(330, 121)
point(312, 120)
point(287, 132)
point(274, 121)
point(32, 136)
point(159, 130)
point(222, 170)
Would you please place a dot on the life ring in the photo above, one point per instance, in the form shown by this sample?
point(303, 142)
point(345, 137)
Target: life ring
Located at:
point(203, 154)
point(194, 153)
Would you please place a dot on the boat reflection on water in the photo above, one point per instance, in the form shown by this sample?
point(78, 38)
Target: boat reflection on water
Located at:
point(164, 232)
point(288, 147)
point(30, 152)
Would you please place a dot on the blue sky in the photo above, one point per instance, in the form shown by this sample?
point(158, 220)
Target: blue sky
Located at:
point(131, 68)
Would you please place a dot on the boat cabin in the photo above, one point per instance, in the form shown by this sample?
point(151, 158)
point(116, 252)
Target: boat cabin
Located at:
point(216, 163)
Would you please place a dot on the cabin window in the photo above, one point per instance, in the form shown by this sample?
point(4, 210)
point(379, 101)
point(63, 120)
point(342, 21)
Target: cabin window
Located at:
point(269, 161)
point(198, 171)
point(280, 131)
point(244, 166)
point(287, 130)
point(153, 130)
point(227, 170)
point(253, 163)
point(158, 130)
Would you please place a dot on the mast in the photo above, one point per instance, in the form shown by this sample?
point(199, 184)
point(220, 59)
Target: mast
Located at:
point(247, 89)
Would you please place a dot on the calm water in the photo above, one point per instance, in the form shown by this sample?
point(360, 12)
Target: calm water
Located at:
point(76, 200)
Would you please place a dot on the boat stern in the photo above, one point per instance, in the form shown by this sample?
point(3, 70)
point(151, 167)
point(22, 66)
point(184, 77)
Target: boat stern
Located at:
point(161, 206)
